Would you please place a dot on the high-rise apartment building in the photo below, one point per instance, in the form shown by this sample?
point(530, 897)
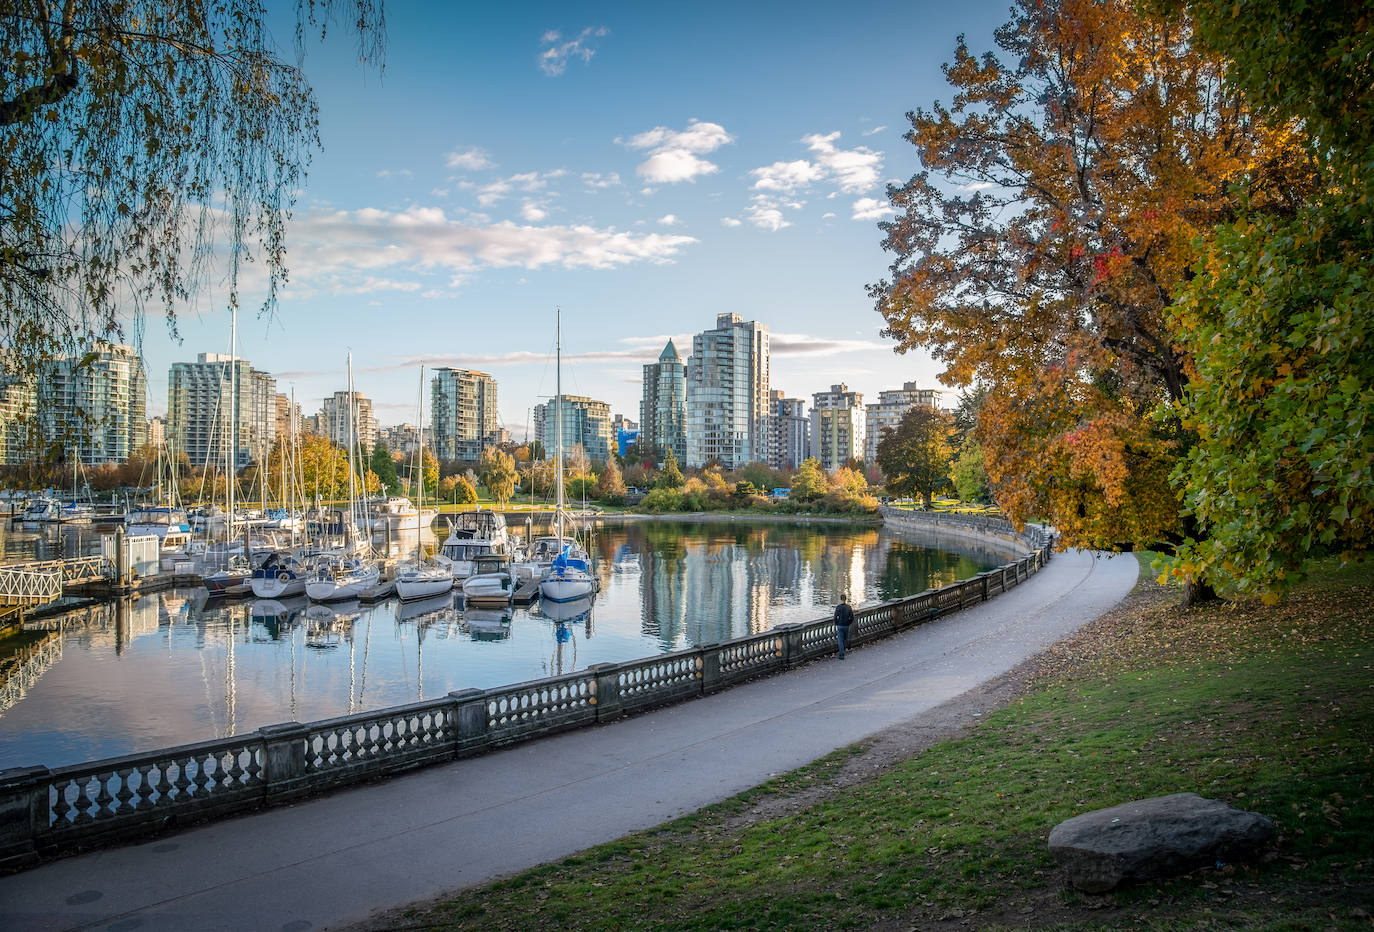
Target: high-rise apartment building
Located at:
point(837, 426)
point(586, 423)
point(788, 431)
point(288, 417)
point(218, 404)
point(727, 393)
point(335, 425)
point(888, 411)
point(157, 431)
point(95, 406)
point(663, 405)
point(18, 418)
point(463, 418)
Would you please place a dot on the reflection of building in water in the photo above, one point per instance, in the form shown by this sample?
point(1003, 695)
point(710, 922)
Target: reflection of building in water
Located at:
point(662, 592)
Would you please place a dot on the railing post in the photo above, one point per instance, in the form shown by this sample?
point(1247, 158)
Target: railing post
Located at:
point(791, 643)
point(23, 812)
point(710, 668)
point(470, 714)
point(283, 770)
point(607, 690)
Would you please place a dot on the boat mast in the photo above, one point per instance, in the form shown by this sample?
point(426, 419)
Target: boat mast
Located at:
point(233, 459)
point(420, 483)
point(558, 423)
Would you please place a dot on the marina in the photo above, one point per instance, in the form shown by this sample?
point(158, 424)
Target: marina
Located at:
point(177, 666)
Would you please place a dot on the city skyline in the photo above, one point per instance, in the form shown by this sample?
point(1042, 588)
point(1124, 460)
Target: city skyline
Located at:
point(644, 178)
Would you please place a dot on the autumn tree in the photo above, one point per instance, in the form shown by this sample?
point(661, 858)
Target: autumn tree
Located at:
point(1051, 227)
point(499, 475)
point(915, 455)
point(148, 149)
point(611, 486)
point(1279, 319)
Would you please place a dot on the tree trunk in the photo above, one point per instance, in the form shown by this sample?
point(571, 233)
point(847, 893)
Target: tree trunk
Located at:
point(1197, 592)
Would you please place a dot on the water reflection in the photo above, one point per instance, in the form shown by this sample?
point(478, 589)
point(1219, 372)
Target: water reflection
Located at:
point(176, 667)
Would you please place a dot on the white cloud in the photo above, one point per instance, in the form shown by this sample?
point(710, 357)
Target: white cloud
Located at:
point(395, 173)
point(526, 182)
point(471, 159)
point(766, 214)
point(801, 344)
point(870, 208)
point(372, 249)
point(676, 155)
point(977, 186)
point(598, 181)
point(874, 131)
point(669, 220)
point(533, 211)
point(854, 170)
point(553, 61)
point(730, 221)
point(785, 176)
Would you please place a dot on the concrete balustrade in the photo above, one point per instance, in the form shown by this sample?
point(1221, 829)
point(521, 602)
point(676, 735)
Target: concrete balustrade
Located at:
point(47, 812)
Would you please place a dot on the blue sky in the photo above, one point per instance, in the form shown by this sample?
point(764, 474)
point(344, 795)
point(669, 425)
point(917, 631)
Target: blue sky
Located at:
point(645, 167)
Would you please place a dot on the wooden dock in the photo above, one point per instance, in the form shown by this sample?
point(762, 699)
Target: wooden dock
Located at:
point(527, 592)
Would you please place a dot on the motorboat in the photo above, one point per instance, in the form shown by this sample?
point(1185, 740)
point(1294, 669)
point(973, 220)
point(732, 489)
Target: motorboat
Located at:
point(422, 580)
point(490, 582)
point(399, 511)
point(280, 576)
point(45, 509)
point(472, 534)
point(335, 577)
point(237, 572)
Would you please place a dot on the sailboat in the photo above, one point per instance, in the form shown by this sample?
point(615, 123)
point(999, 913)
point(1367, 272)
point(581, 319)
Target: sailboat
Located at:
point(422, 579)
point(345, 575)
point(569, 574)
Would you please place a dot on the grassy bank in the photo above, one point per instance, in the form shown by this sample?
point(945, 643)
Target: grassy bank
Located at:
point(1269, 709)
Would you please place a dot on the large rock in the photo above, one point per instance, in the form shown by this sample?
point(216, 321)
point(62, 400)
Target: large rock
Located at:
point(1150, 838)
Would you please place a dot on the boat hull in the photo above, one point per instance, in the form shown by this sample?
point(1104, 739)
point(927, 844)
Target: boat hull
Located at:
point(566, 588)
point(279, 586)
point(423, 586)
point(341, 587)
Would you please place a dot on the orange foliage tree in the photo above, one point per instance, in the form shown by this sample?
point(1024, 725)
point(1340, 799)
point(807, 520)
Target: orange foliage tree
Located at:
point(1039, 249)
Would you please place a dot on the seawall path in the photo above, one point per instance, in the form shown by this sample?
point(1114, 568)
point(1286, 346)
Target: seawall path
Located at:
point(337, 859)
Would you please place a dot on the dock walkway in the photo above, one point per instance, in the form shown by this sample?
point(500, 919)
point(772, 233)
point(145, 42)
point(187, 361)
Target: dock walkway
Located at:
point(335, 860)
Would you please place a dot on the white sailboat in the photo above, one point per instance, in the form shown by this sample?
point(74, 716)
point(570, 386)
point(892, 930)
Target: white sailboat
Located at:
point(422, 579)
point(346, 574)
point(569, 574)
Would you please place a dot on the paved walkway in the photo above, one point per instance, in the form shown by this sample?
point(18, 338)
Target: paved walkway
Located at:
point(334, 860)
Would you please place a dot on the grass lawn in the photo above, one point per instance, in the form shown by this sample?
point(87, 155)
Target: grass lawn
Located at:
point(1269, 709)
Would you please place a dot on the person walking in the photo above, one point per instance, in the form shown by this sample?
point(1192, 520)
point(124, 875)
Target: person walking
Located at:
point(844, 617)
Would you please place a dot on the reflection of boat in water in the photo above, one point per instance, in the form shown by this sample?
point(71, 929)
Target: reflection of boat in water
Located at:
point(415, 608)
point(280, 612)
point(488, 624)
point(626, 560)
point(325, 625)
point(565, 612)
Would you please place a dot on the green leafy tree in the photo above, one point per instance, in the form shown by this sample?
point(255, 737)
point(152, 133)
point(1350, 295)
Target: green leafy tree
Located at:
point(670, 476)
point(149, 148)
point(809, 482)
point(384, 466)
point(968, 476)
point(500, 476)
point(1279, 316)
point(915, 455)
point(462, 492)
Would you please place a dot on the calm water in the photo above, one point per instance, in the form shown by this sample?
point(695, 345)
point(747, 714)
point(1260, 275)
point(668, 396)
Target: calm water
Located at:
point(172, 667)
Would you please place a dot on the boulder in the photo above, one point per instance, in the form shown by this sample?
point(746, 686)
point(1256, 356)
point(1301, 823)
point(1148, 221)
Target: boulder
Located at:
point(1149, 838)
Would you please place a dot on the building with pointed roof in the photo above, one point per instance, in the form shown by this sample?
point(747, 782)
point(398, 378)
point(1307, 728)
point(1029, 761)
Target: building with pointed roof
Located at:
point(663, 405)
